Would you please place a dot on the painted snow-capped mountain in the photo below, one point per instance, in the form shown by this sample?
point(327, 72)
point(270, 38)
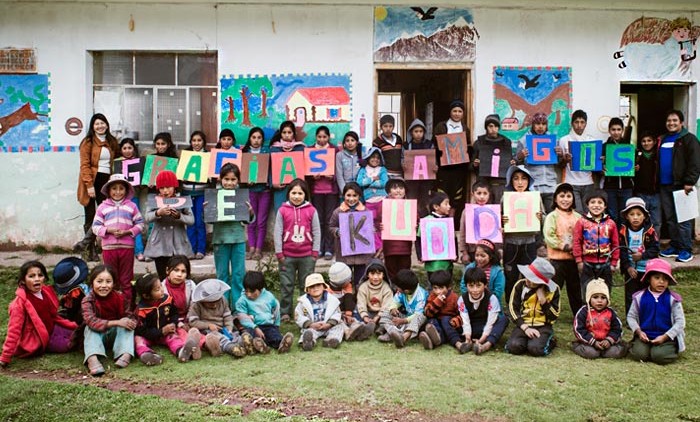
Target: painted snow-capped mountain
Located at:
point(456, 42)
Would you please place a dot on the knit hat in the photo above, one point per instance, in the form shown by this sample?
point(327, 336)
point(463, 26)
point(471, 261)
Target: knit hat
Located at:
point(69, 273)
point(597, 286)
point(539, 118)
point(457, 103)
point(339, 275)
point(387, 118)
point(492, 118)
point(660, 266)
point(118, 178)
point(634, 202)
point(166, 179)
point(313, 279)
point(564, 187)
point(209, 290)
point(597, 193)
point(540, 271)
point(394, 182)
point(226, 132)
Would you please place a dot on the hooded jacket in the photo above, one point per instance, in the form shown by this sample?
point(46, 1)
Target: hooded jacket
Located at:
point(544, 175)
point(650, 247)
point(297, 231)
point(304, 312)
point(593, 240)
point(153, 317)
point(410, 144)
point(371, 298)
point(122, 215)
point(373, 188)
point(520, 238)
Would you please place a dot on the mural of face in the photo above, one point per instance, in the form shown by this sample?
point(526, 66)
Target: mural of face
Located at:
point(681, 34)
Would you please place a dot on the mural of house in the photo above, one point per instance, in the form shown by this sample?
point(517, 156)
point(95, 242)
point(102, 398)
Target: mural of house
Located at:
point(162, 65)
point(327, 104)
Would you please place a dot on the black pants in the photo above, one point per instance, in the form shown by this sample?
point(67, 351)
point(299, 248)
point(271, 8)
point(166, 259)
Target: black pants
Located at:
point(325, 203)
point(91, 207)
point(452, 180)
point(514, 255)
point(566, 274)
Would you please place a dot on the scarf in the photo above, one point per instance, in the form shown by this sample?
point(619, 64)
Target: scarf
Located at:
point(110, 307)
point(345, 207)
point(178, 292)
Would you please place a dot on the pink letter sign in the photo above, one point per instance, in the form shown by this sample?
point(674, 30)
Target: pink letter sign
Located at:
point(287, 166)
point(521, 208)
point(193, 166)
point(219, 157)
point(482, 222)
point(319, 161)
point(419, 164)
point(454, 148)
point(356, 232)
point(399, 219)
point(437, 239)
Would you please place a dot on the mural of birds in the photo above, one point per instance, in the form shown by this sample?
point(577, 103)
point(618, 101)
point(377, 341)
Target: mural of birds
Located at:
point(556, 77)
point(499, 74)
point(424, 15)
point(528, 83)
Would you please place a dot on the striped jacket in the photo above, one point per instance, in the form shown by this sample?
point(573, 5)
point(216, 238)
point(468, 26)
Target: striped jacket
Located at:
point(124, 215)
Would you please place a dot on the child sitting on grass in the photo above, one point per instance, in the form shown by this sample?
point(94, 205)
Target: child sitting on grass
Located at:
point(340, 286)
point(597, 328)
point(211, 315)
point(259, 313)
point(440, 307)
point(405, 317)
point(318, 315)
point(480, 316)
point(656, 317)
point(374, 296)
point(534, 307)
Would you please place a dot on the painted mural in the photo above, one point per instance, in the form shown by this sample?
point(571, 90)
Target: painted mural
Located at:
point(520, 92)
point(658, 48)
point(417, 34)
point(309, 100)
point(24, 112)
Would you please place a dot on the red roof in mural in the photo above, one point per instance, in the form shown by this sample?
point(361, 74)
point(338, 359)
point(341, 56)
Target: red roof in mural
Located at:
point(327, 95)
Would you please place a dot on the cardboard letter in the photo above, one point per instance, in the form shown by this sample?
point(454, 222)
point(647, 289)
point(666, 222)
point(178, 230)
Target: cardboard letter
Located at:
point(177, 202)
point(541, 149)
point(154, 165)
point(454, 148)
point(287, 166)
point(219, 157)
point(356, 233)
point(437, 239)
point(585, 156)
point(193, 166)
point(131, 168)
point(494, 163)
point(521, 208)
point(482, 222)
point(255, 168)
point(399, 219)
point(619, 160)
point(419, 164)
point(319, 161)
point(226, 205)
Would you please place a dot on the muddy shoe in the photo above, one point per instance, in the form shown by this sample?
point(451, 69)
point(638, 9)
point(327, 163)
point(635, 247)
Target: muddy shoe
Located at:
point(248, 343)
point(194, 336)
point(481, 348)
point(151, 359)
point(94, 366)
point(463, 348)
point(307, 341)
point(235, 350)
point(213, 343)
point(425, 341)
point(396, 336)
point(123, 361)
point(384, 338)
point(366, 332)
point(353, 331)
point(432, 332)
point(286, 343)
point(331, 342)
point(260, 346)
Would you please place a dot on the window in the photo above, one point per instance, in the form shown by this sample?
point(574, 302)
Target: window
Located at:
point(143, 93)
point(390, 103)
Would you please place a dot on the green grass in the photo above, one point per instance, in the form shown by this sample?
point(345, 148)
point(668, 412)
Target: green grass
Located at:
point(562, 386)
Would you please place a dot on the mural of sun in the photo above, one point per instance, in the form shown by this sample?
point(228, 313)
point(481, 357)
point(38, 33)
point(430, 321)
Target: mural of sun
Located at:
point(380, 13)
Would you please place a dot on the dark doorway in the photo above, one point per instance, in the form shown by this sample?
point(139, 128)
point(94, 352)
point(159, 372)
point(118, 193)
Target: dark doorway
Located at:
point(648, 104)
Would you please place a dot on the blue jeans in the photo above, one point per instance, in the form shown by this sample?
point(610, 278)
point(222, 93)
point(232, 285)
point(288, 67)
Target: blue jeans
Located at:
point(121, 340)
point(229, 260)
point(197, 233)
point(273, 337)
point(616, 202)
point(681, 234)
point(653, 204)
point(448, 334)
point(499, 327)
point(293, 269)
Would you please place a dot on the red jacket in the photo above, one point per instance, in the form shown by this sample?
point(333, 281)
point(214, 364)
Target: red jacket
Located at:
point(437, 308)
point(594, 239)
point(26, 333)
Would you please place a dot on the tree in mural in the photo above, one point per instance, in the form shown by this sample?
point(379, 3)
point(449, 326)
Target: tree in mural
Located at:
point(17, 117)
point(231, 117)
point(263, 102)
point(245, 96)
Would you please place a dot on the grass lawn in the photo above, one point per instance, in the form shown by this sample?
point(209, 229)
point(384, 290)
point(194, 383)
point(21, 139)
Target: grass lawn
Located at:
point(434, 384)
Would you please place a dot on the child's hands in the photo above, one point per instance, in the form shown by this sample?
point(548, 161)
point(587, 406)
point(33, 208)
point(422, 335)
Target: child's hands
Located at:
point(663, 338)
point(398, 321)
point(482, 340)
point(259, 333)
point(320, 326)
point(394, 312)
point(91, 191)
point(602, 345)
point(637, 256)
point(632, 272)
point(532, 333)
point(540, 216)
point(476, 163)
point(349, 319)
point(522, 154)
point(168, 329)
point(213, 328)
point(126, 323)
point(567, 157)
point(643, 336)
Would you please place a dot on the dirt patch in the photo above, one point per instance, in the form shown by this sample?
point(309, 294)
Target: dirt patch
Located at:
point(248, 399)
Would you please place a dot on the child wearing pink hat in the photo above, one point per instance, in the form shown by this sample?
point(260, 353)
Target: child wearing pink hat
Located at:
point(656, 317)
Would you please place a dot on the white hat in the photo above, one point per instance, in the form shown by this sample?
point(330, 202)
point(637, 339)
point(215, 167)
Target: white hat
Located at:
point(313, 279)
point(540, 271)
point(209, 290)
point(339, 274)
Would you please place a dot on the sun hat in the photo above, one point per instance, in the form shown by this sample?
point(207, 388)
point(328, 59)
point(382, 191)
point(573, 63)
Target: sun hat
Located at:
point(313, 279)
point(540, 271)
point(660, 266)
point(118, 178)
point(635, 202)
point(209, 290)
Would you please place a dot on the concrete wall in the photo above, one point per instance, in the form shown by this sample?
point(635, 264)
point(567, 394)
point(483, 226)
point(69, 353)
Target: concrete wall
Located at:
point(37, 195)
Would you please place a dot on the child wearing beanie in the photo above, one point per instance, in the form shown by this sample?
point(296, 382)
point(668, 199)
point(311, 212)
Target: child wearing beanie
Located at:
point(340, 286)
point(492, 143)
point(597, 328)
point(391, 146)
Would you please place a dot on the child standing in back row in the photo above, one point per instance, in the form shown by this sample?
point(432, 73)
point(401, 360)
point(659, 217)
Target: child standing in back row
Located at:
point(646, 177)
point(618, 188)
point(373, 178)
point(347, 161)
point(391, 146)
point(324, 190)
point(197, 233)
point(260, 198)
point(420, 190)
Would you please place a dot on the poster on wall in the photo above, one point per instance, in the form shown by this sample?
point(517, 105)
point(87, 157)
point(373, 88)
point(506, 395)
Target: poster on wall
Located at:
point(520, 92)
point(308, 100)
point(424, 34)
point(24, 111)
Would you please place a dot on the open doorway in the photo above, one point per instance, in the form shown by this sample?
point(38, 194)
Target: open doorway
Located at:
point(421, 93)
point(646, 104)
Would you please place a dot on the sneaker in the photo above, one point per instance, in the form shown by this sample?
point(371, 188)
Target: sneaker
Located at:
point(307, 341)
point(198, 256)
point(331, 343)
point(384, 338)
point(195, 337)
point(248, 343)
point(212, 343)
point(286, 343)
point(432, 332)
point(669, 252)
point(396, 336)
point(684, 256)
point(260, 346)
point(192, 343)
point(463, 348)
point(151, 359)
point(123, 361)
point(425, 341)
point(366, 332)
point(233, 349)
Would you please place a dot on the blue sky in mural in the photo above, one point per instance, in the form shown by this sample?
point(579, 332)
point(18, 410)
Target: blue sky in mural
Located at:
point(392, 23)
point(533, 85)
point(32, 93)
